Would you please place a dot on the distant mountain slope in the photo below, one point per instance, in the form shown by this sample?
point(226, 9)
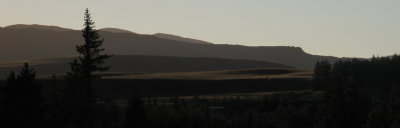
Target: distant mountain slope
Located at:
point(136, 63)
point(37, 43)
point(36, 26)
point(178, 38)
point(116, 30)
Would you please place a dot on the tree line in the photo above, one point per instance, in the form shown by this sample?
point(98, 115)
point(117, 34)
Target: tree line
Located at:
point(359, 92)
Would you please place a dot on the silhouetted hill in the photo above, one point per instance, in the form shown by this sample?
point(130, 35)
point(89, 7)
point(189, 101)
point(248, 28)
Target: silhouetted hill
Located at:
point(178, 38)
point(116, 30)
point(137, 63)
point(38, 43)
point(36, 26)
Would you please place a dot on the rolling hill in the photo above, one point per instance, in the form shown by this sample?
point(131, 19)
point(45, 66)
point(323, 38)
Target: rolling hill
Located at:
point(22, 42)
point(146, 64)
point(178, 38)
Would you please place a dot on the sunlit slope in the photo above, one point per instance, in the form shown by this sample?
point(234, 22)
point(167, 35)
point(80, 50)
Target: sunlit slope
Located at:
point(265, 73)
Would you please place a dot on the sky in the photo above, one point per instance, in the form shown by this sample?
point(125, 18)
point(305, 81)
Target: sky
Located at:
point(342, 28)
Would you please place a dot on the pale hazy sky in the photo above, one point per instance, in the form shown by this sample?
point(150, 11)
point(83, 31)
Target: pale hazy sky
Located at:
point(351, 28)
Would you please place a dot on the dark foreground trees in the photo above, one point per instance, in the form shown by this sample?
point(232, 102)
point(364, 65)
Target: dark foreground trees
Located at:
point(354, 93)
point(22, 101)
point(359, 93)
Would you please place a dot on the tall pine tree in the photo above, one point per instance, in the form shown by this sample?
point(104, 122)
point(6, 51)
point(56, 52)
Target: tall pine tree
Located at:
point(92, 55)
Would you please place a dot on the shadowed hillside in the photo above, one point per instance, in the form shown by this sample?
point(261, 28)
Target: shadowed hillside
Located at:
point(135, 63)
point(39, 43)
point(178, 38)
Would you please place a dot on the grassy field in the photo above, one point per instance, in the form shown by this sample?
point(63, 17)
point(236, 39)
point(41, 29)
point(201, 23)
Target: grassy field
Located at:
point(208, 84)
point(125, 88)
point(245, 83)
point(265, 73)
point(271, 73)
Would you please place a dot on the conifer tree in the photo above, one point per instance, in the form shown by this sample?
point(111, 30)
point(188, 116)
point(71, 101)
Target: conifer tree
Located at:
point(92, 54)
point(26, 74)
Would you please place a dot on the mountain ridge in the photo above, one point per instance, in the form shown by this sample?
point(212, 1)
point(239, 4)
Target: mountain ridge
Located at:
point(116, 30)
point(179, 38)
point(48, 44)
point(36, 26)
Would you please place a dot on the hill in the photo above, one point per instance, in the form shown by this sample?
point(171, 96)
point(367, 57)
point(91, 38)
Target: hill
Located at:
point(179, 38)
point(38, 43)
point(116, 30)
point(149, 64)
point(36, 26)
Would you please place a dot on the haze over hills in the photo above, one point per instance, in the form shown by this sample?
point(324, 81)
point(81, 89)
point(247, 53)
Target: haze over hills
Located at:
point(38, 42)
